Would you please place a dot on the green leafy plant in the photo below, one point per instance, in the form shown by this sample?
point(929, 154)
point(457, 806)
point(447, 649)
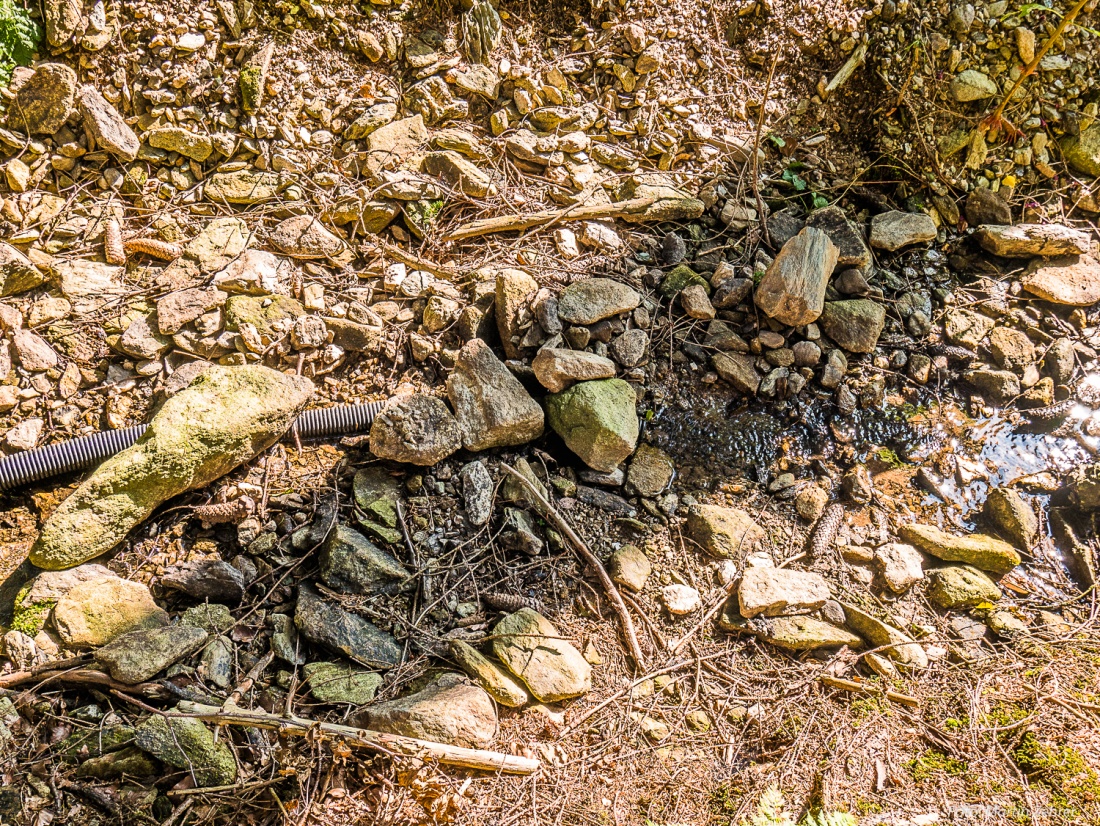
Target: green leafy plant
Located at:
point(19, 38)
point(771, 810)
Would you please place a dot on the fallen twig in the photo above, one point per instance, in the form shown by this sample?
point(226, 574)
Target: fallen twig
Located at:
point(864, 688)
point(82, 676)
point(559, 521)
point(393, 744)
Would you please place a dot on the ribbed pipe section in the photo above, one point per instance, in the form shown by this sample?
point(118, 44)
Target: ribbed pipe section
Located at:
point(87, 451)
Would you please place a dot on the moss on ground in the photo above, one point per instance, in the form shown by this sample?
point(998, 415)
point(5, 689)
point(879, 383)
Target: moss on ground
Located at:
point(934, 765)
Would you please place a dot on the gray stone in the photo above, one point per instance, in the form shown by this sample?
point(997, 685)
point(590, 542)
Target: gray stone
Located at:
point(728, 533)
point(739, 370)
point(854, 325)
point(630, 348)
point(891, 231)
point(216, 662)
point(903, 650)
point(792, 290)
point(981, 551)
point(140, 341)
point(901, 565)
point(343, 632)
point(352, 564)
point(971, 85)
point(418, 429)
point(798, 633)
point(209, 616)
point(651, 471)
point(459, 173)
point(477, 492)
point(514, 290)
point(961, 586)
point(304, 237)
point(96, 611)
point(184, 306)
point(774, 592)
point(597, 420)
point(106, 125)
point(630, 567)
point(374, 117)
point(188, 744)
point(557, 369)
point(533, 649)
point(341, 683)
point(52, 585)
point(447, 710)
point(996, 385)
point(492, 408)
point(1027, 240)
point(33, 352)
point(221, 420)
point(984, 206)
point(593, 299)
point(966, 328)
point(139, 655)
point(45, 101)
point(851, 248)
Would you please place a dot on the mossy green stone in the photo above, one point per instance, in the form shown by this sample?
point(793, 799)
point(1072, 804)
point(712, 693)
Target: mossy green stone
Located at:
point(981, 551)
point(597, 420)
point(1082, 152)
point(188, 744)
point(961, 586)
point(341, 683)
point(262, 312)
point(680, 277)
point(251, 87)
point(224, 418)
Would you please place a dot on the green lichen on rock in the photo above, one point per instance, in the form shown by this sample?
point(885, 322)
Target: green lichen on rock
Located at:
point(29, 618)
point(188, 744)
point(597, 420)
point(225, 417)
point(251, 88)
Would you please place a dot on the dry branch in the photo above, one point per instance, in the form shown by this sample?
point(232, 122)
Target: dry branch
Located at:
point(393, 744)
point(559, 521)
point(863, 688)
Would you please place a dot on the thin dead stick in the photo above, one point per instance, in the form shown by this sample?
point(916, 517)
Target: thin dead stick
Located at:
point(250, 679)
point(658, 206)
point(413, 260)
point(863, 688)
point(995, 119)
point(393, 744)
point(19, 677)
point(613, 594)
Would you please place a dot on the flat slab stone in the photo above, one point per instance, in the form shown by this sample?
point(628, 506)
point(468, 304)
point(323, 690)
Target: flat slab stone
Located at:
point(343, 632)
point(792, 290)
point(533, 649)
point(723, 532)
point(1026, 240)
point(979, 550)
point(138, 656)
point(1073, 280)
point(774, 592)
point(594, 299)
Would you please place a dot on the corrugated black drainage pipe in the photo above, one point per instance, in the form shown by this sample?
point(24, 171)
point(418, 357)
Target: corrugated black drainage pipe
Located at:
point(88, 451)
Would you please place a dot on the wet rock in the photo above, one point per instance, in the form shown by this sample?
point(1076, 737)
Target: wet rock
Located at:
point(139, 655)
point(208, 579)
point(594, 299)
point(45, 101)
point(534, 650)
point(1011, 349)
point(984, 206)
point(418, 429)
point(106, 125)
point(96, 611)
point(996, 385)
point(680, 600)
point(792, 290)
point(739, 370)
point(1082, 151)
point(243, 186)
point(727, 533)
point(1026, 240)
point(556, 369)
point(1012, 517)
point(903, 650)
point(341, 683)
point(492, 408)
point(1073, 280)
point(447, 710)
point(501, 685)
point(901, 565)
point(221, 420)
point(777, 591)
point(188, 744)
point(960, 586)
point(597, 420)
point(852, 249)
point(855, 324)
point(343, 632)
point(978, 550)
point(193, 145)
point(352, 564)
point(798, 633)
point(304, 237)
point(514, 289)
point(966, 328)
point(630, 567)
point(651, 471)
point(891, 231)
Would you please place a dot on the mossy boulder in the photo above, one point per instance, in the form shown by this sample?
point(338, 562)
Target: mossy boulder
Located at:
point(979, 550)
point(223, 419)
point(251, 84)
point(597, 420)
point(961, 586)
point(188, 744)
